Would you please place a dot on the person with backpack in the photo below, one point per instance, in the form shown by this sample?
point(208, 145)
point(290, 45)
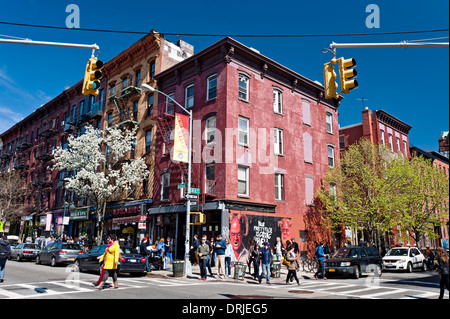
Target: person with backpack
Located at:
point(5, 251)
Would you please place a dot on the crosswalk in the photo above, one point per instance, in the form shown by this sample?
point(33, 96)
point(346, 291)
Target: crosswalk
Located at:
point(57, 288)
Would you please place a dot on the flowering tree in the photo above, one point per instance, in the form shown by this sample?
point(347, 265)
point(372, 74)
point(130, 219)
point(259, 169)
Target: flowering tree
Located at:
point(101, 165)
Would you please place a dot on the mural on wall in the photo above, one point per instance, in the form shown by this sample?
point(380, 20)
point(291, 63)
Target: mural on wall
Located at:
point(246, 229)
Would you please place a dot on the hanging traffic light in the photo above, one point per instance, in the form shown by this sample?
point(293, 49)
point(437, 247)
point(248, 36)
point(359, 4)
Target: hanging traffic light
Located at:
point(92, 75)
point(346, 74)
point(329, 77)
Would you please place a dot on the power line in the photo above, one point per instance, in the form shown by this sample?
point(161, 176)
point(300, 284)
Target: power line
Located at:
point(225, 35)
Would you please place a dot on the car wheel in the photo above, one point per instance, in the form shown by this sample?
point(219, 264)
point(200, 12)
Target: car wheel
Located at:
point(424, 266)
point(356, 272)
point(38, 260)
point(409, 267)
point(53, 262)
point(18, 259)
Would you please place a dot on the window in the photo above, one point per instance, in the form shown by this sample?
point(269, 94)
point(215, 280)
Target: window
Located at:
point(109, 119)
point(211, 129)
point(382, 137)
point(309, 191)
point(391, 146)
point(148, 141)
point(212, 87)
point(210, 178)
point(243, 130)
point(398, 144)
point(405, 150)
point(138, 78)
point(135, 110)
point(169, 103)
point(278, 141)
point(277, 101)
point(333, 190)
point(243, 87)
point(306, 107)
point(150, 105)
point(165, 186)
point(124, 83)
point(152, 70)
point(342, 142)
point(112, 90)
point(330, 156)
point(307, 147)
point(243, 180)
point(329, 119)
point(279, 186)
point(189, 99)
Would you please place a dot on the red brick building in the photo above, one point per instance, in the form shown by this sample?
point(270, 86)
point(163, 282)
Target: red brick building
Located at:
point(263, 139)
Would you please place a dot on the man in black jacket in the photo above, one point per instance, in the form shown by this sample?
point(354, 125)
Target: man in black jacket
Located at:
point(143, 251)
point(5, 251)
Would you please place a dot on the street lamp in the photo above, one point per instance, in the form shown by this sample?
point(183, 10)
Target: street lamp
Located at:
point(187, 264)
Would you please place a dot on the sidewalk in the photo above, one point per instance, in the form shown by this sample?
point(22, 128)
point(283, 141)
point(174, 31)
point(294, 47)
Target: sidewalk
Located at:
point(168, 273)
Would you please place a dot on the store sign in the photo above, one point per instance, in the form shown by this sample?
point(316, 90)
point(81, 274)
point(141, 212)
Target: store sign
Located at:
point(79, 214)
point(126, 211)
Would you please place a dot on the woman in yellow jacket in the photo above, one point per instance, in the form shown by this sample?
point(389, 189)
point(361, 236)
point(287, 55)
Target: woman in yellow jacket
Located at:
point(111, 259)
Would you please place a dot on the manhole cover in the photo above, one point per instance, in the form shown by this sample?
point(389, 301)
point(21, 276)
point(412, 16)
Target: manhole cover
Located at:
point(250, 297)
point(301, 291)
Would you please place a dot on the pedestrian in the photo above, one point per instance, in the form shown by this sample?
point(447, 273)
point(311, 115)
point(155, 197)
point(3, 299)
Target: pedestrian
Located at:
point(250, 256)
point(326, 250)
point(220, 247)
point(442, 264)
point(291, 258)
point(296, 249)
point(111, 261)
point(256, 257)
point(143, 251)
point(160, 247)
point(266, 255)
point(320, 258)
point(228, 254)
point(195, 243)
point(212, 253)
point(169, 250)
point(208, 259)
point(5, 251)
point(278, 248)
point(203, 254)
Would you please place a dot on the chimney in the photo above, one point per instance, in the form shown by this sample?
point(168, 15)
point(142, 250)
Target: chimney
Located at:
point(367, 124)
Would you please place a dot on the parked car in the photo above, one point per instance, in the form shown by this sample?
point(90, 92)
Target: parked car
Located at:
point(131, 261)
point(13, 241)
point(25, 251)
point(58, 253)
point(354, 261)
point(404, 258)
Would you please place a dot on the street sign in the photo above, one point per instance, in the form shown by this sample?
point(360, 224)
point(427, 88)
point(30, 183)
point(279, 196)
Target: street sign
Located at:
point(193, 203)
point(182, 185)
point(191, 196)
point(195, 190)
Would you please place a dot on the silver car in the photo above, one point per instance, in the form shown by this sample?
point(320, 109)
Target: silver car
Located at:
point(25, 251)
point(58, 253)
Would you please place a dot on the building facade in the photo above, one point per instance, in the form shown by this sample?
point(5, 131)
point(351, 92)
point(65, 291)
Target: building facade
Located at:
point(263, 139)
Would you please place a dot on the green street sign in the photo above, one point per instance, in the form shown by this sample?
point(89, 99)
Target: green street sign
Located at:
point(195, 190)
point(183, 185)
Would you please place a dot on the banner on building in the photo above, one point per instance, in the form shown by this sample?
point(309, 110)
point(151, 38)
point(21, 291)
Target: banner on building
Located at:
point(180, 152)
point(247, 229)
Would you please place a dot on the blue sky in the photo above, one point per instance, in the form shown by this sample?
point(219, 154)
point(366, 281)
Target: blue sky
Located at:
point(411, 84)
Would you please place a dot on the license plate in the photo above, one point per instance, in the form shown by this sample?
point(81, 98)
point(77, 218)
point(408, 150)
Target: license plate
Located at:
point(331, 270)
point(389, 265)
point(132, 260)
point(71, 259)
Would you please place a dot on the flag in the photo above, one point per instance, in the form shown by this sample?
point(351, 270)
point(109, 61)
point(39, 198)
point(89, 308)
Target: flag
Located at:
point(181, 139)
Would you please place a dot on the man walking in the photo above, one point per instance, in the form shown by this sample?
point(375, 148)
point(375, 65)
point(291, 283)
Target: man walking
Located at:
point(320, 255)
point(143, 251)
point(5, 251)
point(221, 245)
point(266, 255)
point(203, 253)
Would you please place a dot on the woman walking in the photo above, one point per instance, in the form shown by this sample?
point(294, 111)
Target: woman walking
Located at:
point(293, 267)
point(256, 257)
point(111, 261)
point(442, 263)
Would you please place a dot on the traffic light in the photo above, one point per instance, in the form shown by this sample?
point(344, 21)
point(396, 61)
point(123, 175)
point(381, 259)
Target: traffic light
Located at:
point(92, 75)
point(346, 73)
point(197, 218)
point(329, 77)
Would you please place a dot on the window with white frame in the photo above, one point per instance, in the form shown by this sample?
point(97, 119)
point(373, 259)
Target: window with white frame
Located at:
point(243, 87)
point(243, 180)
point(211, 129)
point(405, 150)
point(189, 97)
point(382, 137)
point(330, 150)
point(391, 146)
point(165, 186)
point(278, 141)
point(342, 142)
point(279, 186)
point(397, 139)
point(329, 120)
point(211, 87)
point(277, 101)
point(243, 131)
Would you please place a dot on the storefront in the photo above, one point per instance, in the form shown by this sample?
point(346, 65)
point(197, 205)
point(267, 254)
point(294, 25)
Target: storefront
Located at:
point(80, 222)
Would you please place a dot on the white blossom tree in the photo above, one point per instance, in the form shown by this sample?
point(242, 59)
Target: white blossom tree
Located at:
point(102, 165)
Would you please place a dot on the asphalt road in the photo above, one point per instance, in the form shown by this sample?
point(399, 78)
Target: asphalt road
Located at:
point(26, 280)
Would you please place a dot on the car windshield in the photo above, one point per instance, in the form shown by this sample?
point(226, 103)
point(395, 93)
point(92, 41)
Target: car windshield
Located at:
point(397, 252)
point(31, 246)
point(71, 246)
point(346, 253)
point(101, 249)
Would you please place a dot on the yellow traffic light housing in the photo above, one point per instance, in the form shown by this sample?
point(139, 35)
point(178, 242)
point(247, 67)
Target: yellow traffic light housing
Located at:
point(197, 218)
point(330, 77)
point(91, 82)
point(347, 75)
